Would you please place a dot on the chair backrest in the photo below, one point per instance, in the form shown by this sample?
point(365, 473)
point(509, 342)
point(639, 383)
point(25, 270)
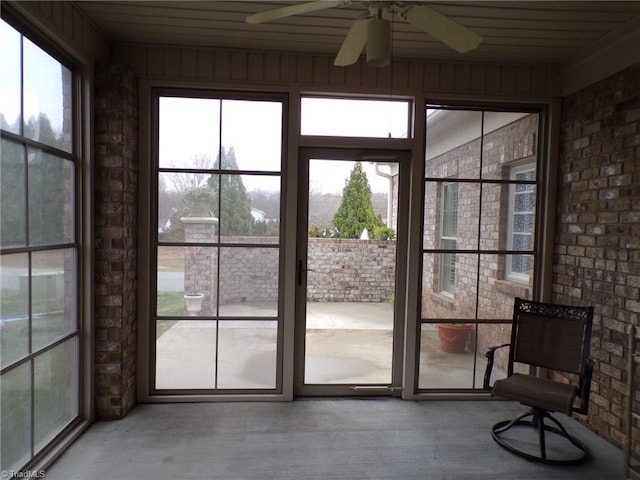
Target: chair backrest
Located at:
point(551, 336)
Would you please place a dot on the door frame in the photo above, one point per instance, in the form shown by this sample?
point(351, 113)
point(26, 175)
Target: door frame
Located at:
point(403, 158)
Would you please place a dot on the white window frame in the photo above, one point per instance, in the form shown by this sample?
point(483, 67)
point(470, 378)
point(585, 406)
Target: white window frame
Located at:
point(448, 240)
point(513, 173)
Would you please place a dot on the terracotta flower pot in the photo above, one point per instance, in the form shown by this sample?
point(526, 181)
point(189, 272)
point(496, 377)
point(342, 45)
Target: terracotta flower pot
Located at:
point(453, 338)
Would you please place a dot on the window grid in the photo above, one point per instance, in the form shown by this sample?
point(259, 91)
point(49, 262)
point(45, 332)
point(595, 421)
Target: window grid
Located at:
point(216, 241)
point(40, 253)
point(477, 249)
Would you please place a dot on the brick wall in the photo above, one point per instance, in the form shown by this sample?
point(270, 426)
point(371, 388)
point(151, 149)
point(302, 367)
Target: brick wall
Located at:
point(342, 270)
point(597, 244)
point(350, 270)
point(115, 240)
point(510, 145)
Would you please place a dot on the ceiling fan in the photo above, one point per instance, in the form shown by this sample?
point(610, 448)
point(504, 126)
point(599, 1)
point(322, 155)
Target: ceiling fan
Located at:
point(374, 31)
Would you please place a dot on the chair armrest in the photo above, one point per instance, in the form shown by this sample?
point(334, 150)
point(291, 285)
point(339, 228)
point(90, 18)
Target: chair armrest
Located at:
point(584, 388)
point(490, 355)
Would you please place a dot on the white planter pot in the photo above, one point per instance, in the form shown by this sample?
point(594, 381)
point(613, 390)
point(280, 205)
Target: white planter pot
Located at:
point(193, 302)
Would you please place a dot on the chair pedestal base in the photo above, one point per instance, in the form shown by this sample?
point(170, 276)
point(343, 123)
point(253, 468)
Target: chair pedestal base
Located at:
point(537, 421)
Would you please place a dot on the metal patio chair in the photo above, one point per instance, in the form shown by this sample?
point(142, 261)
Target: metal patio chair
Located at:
point(555, 338)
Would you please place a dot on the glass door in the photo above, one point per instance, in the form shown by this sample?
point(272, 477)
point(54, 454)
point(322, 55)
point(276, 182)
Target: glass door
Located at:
point(346, 321)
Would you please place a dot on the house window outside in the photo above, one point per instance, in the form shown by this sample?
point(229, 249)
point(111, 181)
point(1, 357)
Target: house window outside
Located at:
point(39, 328)
point(448, 237)
point(521, 221)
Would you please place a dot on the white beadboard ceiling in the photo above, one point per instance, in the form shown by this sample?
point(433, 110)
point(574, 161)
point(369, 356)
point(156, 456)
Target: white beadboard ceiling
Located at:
point(558, 32)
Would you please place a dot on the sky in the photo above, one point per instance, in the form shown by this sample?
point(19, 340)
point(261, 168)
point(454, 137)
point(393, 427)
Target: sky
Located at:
point(190, 129)
point(42, 80)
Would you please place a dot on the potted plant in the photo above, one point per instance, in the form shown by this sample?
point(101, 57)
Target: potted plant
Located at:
point(193, 299)
point(454, 336)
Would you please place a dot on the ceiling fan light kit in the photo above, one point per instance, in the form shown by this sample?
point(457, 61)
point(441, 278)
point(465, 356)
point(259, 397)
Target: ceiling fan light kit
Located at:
point(374, 31)
point(378, 42)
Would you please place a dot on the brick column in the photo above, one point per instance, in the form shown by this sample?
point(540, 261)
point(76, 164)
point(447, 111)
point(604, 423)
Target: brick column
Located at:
point(115, 240)
point(201, 263)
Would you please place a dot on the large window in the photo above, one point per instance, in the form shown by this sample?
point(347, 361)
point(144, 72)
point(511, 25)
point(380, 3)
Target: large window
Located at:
point(39, 328)
point(218, 243)
point(481, 172)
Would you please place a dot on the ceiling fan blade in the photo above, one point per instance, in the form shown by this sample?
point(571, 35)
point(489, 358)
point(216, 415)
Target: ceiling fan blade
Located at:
point(441, 27)
point(288, 11)
point(353, 43)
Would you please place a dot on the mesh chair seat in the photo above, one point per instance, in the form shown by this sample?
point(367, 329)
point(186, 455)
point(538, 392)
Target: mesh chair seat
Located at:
point(534, 391)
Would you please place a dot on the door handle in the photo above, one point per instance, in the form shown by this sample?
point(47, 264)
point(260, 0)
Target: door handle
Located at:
point(301, 270)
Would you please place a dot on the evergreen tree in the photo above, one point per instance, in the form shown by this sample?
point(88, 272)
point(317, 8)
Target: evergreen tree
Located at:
point(356, 212)
point(235, 207)
point(224, 197)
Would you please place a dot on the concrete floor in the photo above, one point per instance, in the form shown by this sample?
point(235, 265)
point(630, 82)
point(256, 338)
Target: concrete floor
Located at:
point(324, 439)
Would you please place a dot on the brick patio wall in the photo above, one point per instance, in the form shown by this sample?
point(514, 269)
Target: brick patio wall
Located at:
point(597, 244)
point(116, 187)
point(341, 270)
point(350, 270)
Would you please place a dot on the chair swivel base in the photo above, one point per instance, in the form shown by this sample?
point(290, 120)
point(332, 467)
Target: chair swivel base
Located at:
point(537, 422)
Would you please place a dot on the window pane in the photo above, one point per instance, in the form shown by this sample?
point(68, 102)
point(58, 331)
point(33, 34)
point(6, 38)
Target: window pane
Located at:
point(249, 281)
point(508, 137)
point(189, 135)
point(453, 143)
point(187, 204)
point(523, 223)
point(51, 199)
point(53, 295)
point(15, 413)
point(492, 335)
point(14, 307)
point(340, 117)
point(247, 354)
point(460, 305)
point(56, 391)
point(171, 287)
point(524, 202)
point(446, 356)
point(498, 287)
point(187, 281)
point(185, 354)
point(450, 210)
point(10, 79)
point(493, 216)
point(252, 130)
point(47, 98)
point(521, 264)
point(241, 217)
point(13, 195)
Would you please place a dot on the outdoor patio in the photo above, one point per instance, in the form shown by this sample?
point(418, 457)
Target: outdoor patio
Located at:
point(346, 343)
